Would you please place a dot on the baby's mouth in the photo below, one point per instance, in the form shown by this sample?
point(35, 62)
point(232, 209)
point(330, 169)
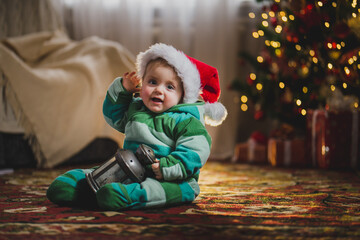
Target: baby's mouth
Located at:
point(157, 100)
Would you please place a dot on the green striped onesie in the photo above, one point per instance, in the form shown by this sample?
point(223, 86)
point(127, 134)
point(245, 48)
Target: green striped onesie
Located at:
point(179, 139)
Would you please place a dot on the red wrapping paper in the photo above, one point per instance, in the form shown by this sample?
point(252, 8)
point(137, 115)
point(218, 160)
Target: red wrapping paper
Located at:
point(287, 153)
point(333, 138)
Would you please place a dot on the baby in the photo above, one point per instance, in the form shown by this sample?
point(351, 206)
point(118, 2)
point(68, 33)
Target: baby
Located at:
point(178, 95)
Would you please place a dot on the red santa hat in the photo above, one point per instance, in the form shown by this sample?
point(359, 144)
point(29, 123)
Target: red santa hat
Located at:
point(199, 79)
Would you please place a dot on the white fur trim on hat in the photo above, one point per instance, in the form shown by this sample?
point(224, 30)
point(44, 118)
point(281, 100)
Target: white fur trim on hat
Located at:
point(215, 113)
point(185, 69)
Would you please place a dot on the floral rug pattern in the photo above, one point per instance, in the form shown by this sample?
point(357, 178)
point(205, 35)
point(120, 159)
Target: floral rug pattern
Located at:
point(236, 202)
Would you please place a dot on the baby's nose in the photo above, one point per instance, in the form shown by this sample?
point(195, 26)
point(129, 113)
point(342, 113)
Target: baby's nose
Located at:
point(159, 89)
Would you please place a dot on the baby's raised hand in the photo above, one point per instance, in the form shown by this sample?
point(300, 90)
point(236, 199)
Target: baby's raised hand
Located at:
point(131, 82)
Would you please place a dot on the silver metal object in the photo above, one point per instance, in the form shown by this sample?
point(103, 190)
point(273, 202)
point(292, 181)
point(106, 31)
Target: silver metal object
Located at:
point(125, 167)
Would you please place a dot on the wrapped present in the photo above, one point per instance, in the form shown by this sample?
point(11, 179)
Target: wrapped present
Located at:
point(333, 138)
point(252, 151)
point(287, 152)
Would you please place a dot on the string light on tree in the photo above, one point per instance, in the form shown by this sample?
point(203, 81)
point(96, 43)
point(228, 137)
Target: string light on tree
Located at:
point(252, 76)
point(244, 99)
point(244, 107)
point(305, 89)
point(311, 49)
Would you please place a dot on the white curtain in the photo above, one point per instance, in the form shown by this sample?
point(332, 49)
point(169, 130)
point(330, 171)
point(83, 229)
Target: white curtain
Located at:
point(205, 29)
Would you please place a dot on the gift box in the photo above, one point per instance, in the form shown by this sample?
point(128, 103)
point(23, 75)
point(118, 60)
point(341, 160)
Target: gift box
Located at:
point(287, 152)
point(333, 138)
point(248, 152)
point(252, 151)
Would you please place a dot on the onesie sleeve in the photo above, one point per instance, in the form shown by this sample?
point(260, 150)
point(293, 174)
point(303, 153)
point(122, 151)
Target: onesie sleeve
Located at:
point(116, 104)
point(191, 152)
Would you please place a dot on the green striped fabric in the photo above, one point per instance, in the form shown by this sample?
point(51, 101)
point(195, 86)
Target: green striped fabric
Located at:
point(178, 137)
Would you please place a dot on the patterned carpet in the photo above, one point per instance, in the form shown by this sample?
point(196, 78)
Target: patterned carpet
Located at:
point(236, 202)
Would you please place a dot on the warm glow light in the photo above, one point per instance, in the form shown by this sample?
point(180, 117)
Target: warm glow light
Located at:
point(292, 63)
point(342, 44)
point(264, 16)
point(347, 70)
point(275, 44)
point(332, 87)
point(278, 52)
point(329, 45)
point(259, 86)
point(251, 15)
point(305, 70)
point(278, 29)
point(344, 85)
point(267, 43)
point(356, 105)
point(312, 53)
point(271, 14)
point(244, 107)
point(320, 4)
point(265, 23)
point(303, 112)
point(281, 85)
point(334, 4)
point(354, 15)
point(324, 150)
point(244, 98)
point(255, 35)
point(298, 47)
point(261, 33)
point(330, 66)
point(305, 89)
point(338, 46)
point(260, 59)
point(252, 76)
point(315, 60)
point(327, 24)
point(298, 102)
point(351, 61)
point(291, 17)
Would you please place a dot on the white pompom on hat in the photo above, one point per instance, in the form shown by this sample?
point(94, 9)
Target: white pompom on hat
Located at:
point(199, 79)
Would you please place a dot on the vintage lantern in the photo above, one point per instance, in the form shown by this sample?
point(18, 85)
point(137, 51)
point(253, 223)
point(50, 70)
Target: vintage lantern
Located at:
point(125, 167)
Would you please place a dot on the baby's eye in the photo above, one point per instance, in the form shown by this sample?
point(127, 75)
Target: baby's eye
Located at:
point(152, 81)
point(171, 87)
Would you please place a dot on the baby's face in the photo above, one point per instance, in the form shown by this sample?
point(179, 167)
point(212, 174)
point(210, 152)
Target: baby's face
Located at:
point(161, 88)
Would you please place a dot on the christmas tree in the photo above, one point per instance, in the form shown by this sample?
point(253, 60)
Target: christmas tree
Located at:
point(310, 59)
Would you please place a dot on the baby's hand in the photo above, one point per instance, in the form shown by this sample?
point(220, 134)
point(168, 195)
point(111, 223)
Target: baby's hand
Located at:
point(156, 169)
point(131, 82)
